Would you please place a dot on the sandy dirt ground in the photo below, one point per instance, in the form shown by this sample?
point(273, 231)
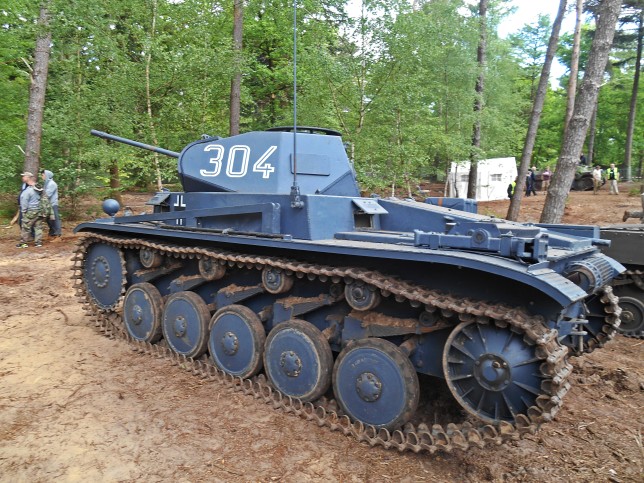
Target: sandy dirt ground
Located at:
point(77, 406)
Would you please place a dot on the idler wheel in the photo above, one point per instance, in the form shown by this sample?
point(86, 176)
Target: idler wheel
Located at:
point(491, 371)
point(142, 312)
point(210, 270)
point(236, 341)
point(375, 382)
point(103, 274)
point(185, 324)
point(298, 360)
point(630, 300)
point(275, 281)
point(361, 296)
point(150, 258)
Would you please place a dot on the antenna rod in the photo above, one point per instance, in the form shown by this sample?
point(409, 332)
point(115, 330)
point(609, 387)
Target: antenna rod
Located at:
point(295, 92)
point(296, 202)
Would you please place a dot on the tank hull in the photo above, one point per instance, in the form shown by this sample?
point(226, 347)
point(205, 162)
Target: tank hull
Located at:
point(358, 285)
point(384, 314)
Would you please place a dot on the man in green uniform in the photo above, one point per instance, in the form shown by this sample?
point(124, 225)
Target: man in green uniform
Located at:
point(30, 211)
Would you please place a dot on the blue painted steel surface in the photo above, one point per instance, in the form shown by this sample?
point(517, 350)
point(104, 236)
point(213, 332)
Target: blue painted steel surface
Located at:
point(185, 324)
point(142, 312)
point(546, 277)
point(111, 207)
point(263, 216)
point(261, 162)
point(583, 231)
point(236, 341)
point(137, 144)
point(240, 197)
point(298, 361)
point(467, 205)
point(372, 385)
point(103, 274)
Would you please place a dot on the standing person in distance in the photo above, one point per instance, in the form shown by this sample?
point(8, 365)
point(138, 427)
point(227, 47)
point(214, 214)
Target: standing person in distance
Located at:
point(597, 179)
point(612, 175)
point(30, 211)
point(18, 216)
point(545, 179)
point(50, 189)
point(511, 187)
point(530, 182)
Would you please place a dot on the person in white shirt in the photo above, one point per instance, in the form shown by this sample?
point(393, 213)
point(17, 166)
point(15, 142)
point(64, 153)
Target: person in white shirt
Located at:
point(597, 179)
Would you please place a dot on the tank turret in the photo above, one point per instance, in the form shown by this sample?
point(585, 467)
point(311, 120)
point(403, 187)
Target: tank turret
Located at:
point(262, 162)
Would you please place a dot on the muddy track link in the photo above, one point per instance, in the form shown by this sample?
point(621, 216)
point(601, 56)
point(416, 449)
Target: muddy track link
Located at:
point(611, 323)
point(555, 368)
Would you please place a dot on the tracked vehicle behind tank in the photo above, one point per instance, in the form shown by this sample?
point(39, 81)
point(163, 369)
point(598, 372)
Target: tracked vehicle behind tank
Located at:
point(272, 264)
point(626, 245)
point(626, 242)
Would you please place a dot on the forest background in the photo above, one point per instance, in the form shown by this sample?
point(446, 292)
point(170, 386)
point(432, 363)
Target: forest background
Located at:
point(397, 80)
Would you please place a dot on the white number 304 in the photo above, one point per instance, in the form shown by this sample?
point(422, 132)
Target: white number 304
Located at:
point(237, 162)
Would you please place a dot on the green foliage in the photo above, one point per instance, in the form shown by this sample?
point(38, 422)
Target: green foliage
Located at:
point(529, 46)
point(550, 134)
point(398, 83)
point(17, 38)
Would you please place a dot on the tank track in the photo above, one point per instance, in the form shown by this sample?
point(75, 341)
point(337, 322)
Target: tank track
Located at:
point(555, 367)
point(636, 276)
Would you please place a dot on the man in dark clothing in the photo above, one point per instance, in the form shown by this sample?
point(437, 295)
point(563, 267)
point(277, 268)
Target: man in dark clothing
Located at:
point(530, 182)
point(50, 189)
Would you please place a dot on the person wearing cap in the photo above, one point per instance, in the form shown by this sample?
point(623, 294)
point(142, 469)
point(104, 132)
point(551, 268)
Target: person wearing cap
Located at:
point(30, 211)
point(50, 189)
point(18, 216)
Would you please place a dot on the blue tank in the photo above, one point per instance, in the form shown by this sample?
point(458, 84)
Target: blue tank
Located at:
point(272, 266)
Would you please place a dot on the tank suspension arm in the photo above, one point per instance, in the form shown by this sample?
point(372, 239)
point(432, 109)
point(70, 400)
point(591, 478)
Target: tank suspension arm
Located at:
point(137, 144)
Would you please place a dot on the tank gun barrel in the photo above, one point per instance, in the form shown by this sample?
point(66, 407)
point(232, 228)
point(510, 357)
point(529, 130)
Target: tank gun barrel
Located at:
point(104, 135)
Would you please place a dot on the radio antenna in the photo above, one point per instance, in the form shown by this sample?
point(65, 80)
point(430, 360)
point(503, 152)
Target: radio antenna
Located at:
point(296, 202)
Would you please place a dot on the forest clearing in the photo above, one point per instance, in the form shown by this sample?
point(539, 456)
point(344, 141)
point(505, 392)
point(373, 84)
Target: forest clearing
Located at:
point(263, 316)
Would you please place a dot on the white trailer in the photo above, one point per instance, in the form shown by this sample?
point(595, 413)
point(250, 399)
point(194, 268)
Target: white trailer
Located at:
point(494, 176)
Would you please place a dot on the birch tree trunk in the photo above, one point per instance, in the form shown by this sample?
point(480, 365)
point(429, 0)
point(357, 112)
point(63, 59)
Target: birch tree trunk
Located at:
point(37, 90)
point(535, 115)
point(235, 83)
point(478, 102)
point(553, 209)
